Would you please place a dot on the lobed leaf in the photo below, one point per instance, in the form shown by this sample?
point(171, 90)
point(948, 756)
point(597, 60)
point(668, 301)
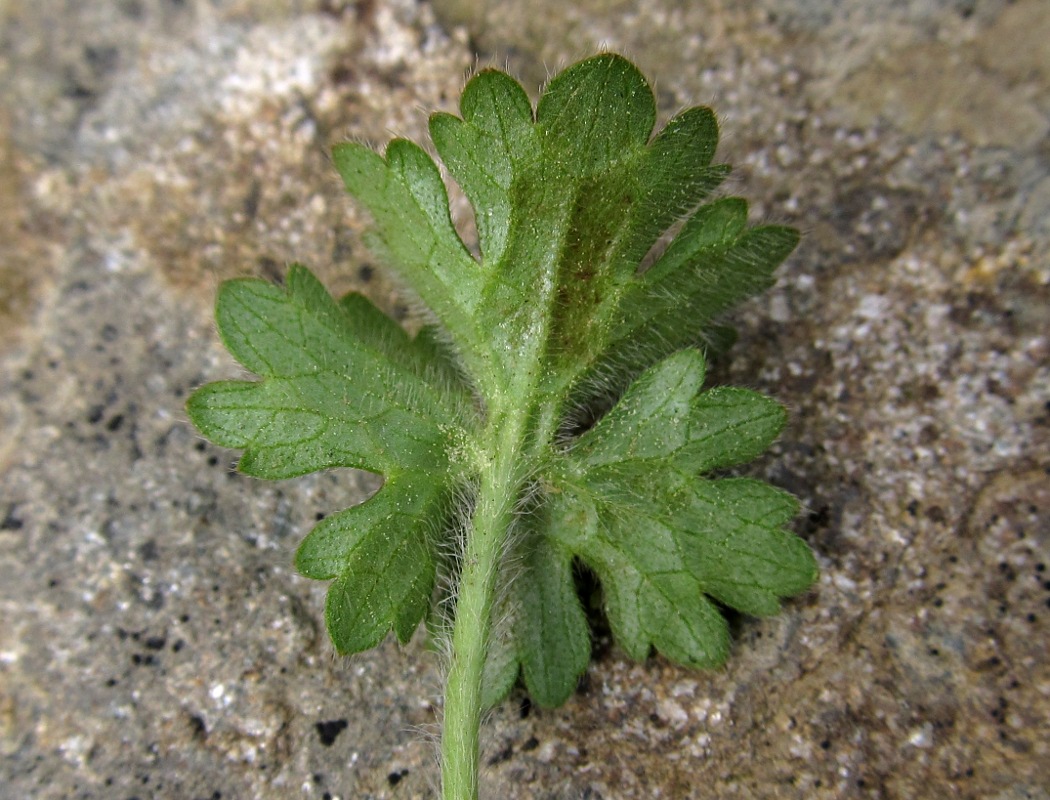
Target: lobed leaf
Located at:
point(414, 233)
point(714, 263)
point(341, 388)
point(545, 630)
point(494, 140)
point(379, 554)
point(651, 599)
point(344, 386)
point(572, 201)
point(733, 542)
point(627, 501)
point(595, 115)
point(557, 318)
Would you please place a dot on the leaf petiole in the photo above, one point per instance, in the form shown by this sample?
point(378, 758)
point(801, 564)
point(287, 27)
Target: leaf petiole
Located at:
point(485, 544)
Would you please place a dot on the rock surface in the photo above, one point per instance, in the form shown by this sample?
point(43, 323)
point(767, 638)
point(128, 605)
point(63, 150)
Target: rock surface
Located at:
point(154, 640)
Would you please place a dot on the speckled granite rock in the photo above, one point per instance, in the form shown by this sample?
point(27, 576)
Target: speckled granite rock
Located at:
point(154, 642)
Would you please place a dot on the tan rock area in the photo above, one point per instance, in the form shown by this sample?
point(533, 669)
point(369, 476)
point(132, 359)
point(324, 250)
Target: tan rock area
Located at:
point(155, 641)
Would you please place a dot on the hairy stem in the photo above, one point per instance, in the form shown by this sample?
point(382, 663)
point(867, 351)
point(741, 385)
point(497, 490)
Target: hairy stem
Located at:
point(518, 420)
point(497, 493)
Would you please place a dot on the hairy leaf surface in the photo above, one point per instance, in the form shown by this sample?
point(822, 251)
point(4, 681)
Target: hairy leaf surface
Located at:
point(556, 320)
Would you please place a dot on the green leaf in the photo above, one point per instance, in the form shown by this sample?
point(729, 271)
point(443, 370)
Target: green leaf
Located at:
point(618, 119)
point(713, 263)
point(414, 233)
point(332, 396)
point(479, 423)
point(379, 553)
point(344, 386)
point(571, 202)
point(653, 419)
point(542, 624)
point(664, 543)
point(651, 598)
point(733, 542)
point(730, 426)
point(483, 151)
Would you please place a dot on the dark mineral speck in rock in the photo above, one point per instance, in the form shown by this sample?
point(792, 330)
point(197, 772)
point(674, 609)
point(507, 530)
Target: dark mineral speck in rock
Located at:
point(329, 730)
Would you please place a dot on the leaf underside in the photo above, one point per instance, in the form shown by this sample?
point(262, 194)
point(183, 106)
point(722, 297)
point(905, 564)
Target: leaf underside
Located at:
point(569, 198)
